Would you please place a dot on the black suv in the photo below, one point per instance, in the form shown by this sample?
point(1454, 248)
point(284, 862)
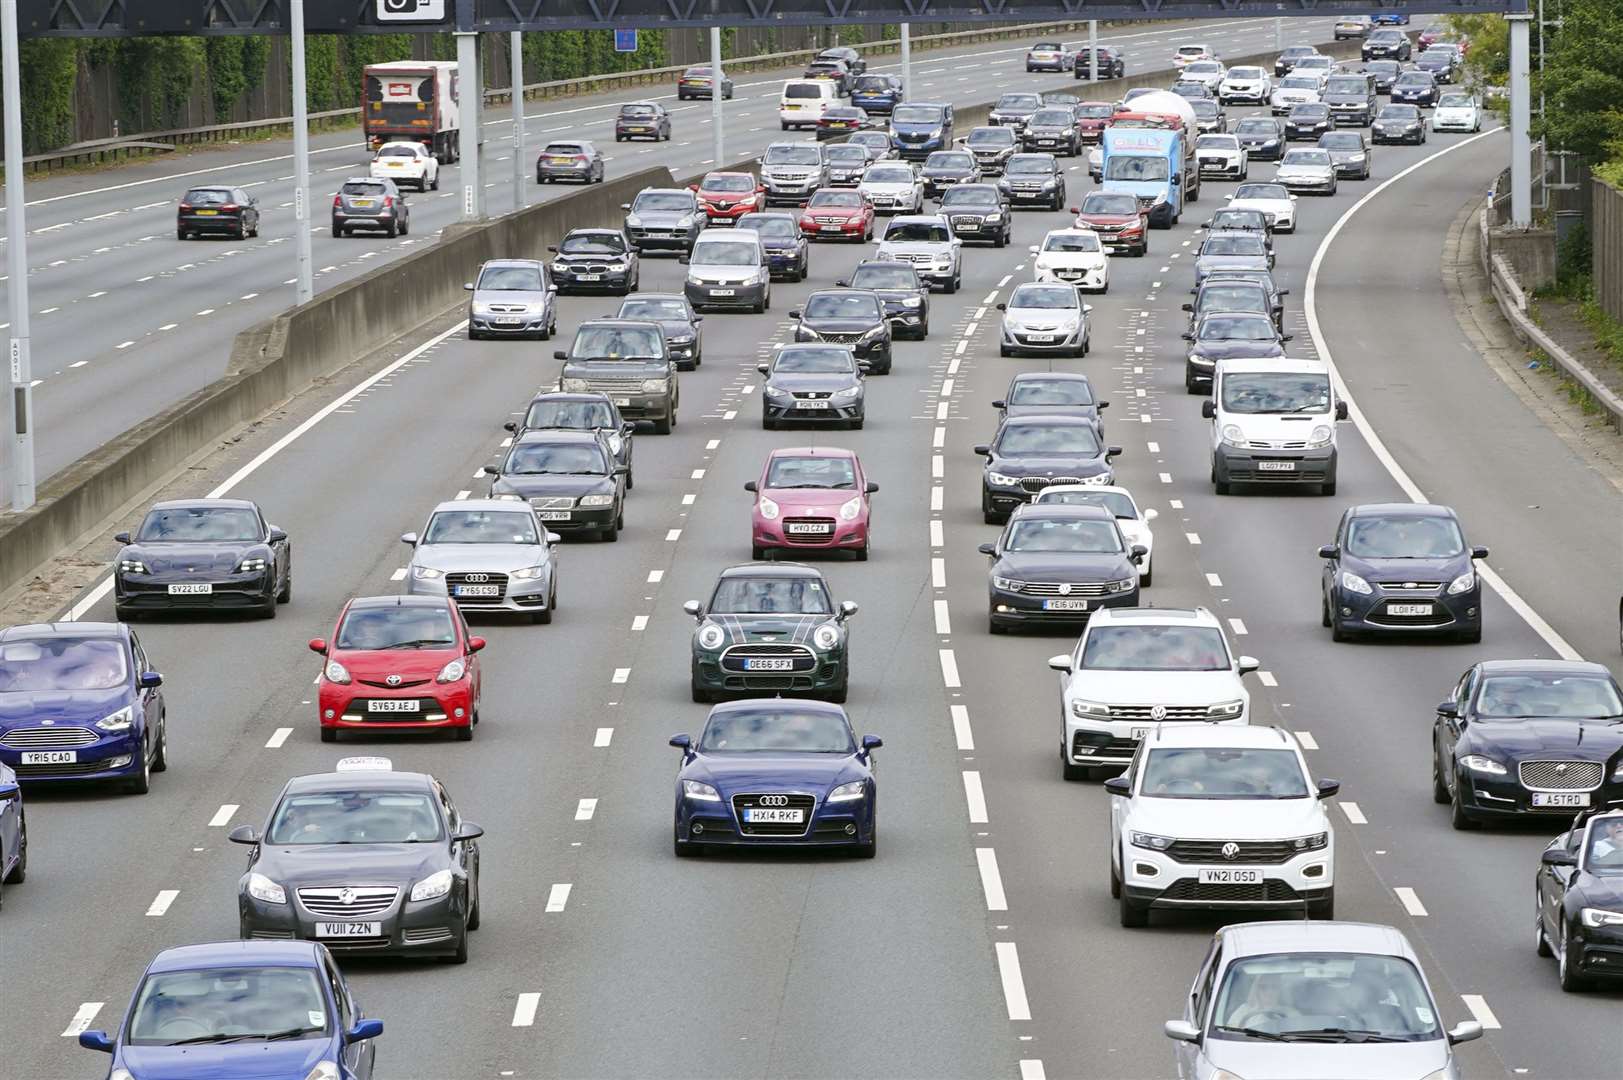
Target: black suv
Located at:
point(905, 295)
point(978, 212)
point(854, 318)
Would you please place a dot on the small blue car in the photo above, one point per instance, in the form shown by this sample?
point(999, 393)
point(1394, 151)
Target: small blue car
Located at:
point(257, 1009)
point(13, 832)
point(80, 701)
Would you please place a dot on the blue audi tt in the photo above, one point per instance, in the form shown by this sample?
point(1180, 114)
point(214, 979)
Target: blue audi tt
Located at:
point(773, 772)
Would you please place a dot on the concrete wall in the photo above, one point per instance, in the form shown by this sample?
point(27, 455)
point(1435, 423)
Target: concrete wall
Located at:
point(1530, 253)
point(1606, 239)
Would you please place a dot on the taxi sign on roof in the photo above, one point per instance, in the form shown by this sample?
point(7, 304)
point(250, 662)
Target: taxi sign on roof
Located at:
point(364, 764)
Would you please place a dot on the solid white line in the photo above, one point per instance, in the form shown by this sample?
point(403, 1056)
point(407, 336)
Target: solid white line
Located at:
point(975, 797)
point(559, 896)
point(1353, 812)
point(222, 816)
point(943, 620)
point(960, 727)
point(1032, 1069)
point(1479, 1009)
point(654, 576)
point(1521, 607)
point(278, 737)
point(938, 573)
point(585, 809)
point(949, 670)
point(991, 880)
point(639, 622)
point(605, 735)
point(1014, 986)
point(161, 902)
point(524, 1010)
point(1267, 678)
point(1238, 627)
point(1411, 903)
point(82, 1019)
point(1306, 739)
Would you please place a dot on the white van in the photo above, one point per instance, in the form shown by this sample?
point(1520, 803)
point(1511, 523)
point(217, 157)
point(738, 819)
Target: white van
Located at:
point(804, 101)
point(728, 268)
point(1273, 422)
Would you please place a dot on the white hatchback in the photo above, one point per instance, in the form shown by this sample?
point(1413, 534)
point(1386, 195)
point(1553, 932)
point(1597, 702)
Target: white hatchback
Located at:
point(1456, 112)
point(1074, 256)
point(406, 163)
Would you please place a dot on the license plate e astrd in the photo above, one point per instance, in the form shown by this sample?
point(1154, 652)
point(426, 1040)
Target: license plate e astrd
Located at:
point(1554, 799)
point(773, 815)
point(1276, 466)
point(191, 589)
point(348, 929)
point(1223, 875)
point(769, 663)
point(478, 590)
point(1408, 609)
point(394, 705)
point(50, 757)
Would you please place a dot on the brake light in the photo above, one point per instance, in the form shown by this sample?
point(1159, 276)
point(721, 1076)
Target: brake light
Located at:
point(185, 207)
point(229, 206)
point(388, 200)
point(337, 201)
point(580, 157)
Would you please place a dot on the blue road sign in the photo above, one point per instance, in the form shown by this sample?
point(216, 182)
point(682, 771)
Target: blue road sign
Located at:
point(625, 41)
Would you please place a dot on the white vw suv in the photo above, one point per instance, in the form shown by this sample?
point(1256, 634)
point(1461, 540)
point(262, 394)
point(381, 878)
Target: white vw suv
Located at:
point(1220, 817)
point(1135, 670)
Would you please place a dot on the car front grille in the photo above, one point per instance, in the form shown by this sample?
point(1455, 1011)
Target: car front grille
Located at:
point(1271, 891)
point(552, 502)
point(966, 219)
point(829, 220)
point(425, 935)
point(1276, 444)
point(614, 386)
point(805, 803)
point(1255, 852)
point(586, 268)
point(402, 684)
point(839, 338)
point(1381, 616)
point(1170, 713)
point(1561, 775)
point(811, 395)
point(1408, 586)
point(349, 902)
point(816, 531)
point(51, 738)
point(1062, 588)
point(1091, 744)
point(1034, 484)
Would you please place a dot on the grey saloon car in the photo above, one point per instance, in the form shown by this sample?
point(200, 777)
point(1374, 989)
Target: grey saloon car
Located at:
point(487, 555)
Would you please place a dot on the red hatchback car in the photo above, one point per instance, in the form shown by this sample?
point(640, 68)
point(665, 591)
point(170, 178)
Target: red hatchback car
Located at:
point(399, 663)
point(727, 196)
point(837, 214)
point(811, 498)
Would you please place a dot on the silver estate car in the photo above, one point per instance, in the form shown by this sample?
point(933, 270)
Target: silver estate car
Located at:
point(512, 296)
point(487, 555)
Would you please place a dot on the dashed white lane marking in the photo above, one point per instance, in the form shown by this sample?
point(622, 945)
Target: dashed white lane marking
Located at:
point(82, 1019)
point(463, 494)
point(992, 296)
point(1214, 581)
point(938, 467)
point(98, 294)
point(938, 573)
point(939, 438)
point(1166, 477)
point(673, 535)
point(160, 903)
point(750, 389)
point(1238, 626)
point(712, 444)
point(1411, 903)
point(78, 363)
point(398, 575)
point(124, 344)
point(1353, 812)
point(222, 816)
point(949, 670)
point(975, 797)
point(1176, 504)
point(991, 880)
point(205, 311)
point(1267, 678)
point(936, 539)
point(943, 620)
point(525, 1008)
point(639, 622)
point(1032, 1069)
point(654, 576)
point(1306, 740)
point(1479, 1009)
point(559, 896)
point(1014, 985)
point(1193, 538)
point(480, 471)
point(585, 809)
point(960, 727)
point(698, 474)
point(689, 499)
point(604, 736)
point(278, 737)
point(1153, 447)
point(935, 498)
point(730, 414)
point(621, 674)
point(247, 296)
point(168, 326)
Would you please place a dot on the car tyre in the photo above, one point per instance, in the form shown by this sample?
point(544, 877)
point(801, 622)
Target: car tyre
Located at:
point(840, 693)
point(663, 425)
point(1324, 611)
point(1115, 882)
point(1133, 913)
point(1470, 637)
point(1571, 981)
point(700, 694)
point(19, 873)
point(1323, 910)
point(461, 954)
point(160, 758)
point(686, 850)
point(286, 593)
point(1541, 941)
point(1458, 817)
point(1147, 578)
point(141, 783)
point(329, 734)
point(464, 734)
point(474, 913)
point(1327, 488)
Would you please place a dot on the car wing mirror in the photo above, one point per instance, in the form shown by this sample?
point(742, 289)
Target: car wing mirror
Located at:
point(243, 834)
point(983, 450)
point(468, 831)
point(492, 470)
point(1465, 1031)
point(122, 538)
point(318, 645)
point(275, 535)
point(870, 487)
point(1062, 662)
point(987, 549)
point(871, 743)
point(1449, 709)
point(476, 644)
point(467, 286)
point(511, 425)
point(1003, 307)
point(1181, 1031)
point(96, 1040)
point(1000, 404)
point(762, 368)
point(1138, 552)
point(363, 1030)
point(554, 538)
point(1187, 336)
point(1119, 785)
point(151, 680)
point(1245, 665)
point(1112, 451)
point(682, 742)
point(1558, 857)
point(694, 608)
point(1329, 551)
point(1479, 552)
point(1188, 307)
point(1287, 337)
point(1329, 788)
point(409, 539)
point(1341, 410)
point(1208, 409)
point(848, 608)
point(625, 206)
point(559, 354)
point(794, 313)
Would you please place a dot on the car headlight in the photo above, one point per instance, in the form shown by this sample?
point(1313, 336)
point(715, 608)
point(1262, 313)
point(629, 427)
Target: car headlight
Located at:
point(826, 637)
point(1089, 709)
point(1232, 435)
point(1355, 157)
point(481, 309)
point(575, 386)
point(874, 334)
point(851, 508)
point(711, 636)
point(336, 672)
point(777, 392)
point(1124, 585)
point(1617, 773)
point(1464, 583)
point(453, 671)
point(850, 393)
point(122, 720)
point(616, 442)
point(1007, 584)
point(850, 792)
point(912, 302)
point(120, 1074)
point(432, 887)
point(1353, 583)
point(132, 566)
point(615, 268)
point(1319, 437)
point(597, 500)
point(680, 342)
point(768, 508)
point(992, 219)
point(655, 386)
point(685, 221)
point(1070, 325)
point(1315, 842)
point(530, 573)
point(1149, 840)
point(324, 1070)
point(1482, 764)
point(1595, 918)
point(1225, 710)
point(426, 573)
point(997, 479)
point(700, 792)
point(633, 221)
point(263, 888)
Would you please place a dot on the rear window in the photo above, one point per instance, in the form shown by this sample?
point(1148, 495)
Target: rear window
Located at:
point(361, 187)
point(398, 150)
point(207, 196)
point(564, 148)
point(802, 90)
point(636, 110)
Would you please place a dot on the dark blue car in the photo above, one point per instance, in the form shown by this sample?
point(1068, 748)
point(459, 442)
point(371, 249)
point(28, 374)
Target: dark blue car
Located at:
point(244, 1009)
point(1389, 18)
point(918, 129)
point(13, 832)
point(1401, 568)
point(876, 93)
point(776, 773)
point(788, 252)
point(80, 701)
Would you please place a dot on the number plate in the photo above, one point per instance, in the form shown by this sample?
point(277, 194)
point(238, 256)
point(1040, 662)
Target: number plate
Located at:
point(1408, 609)
point(1066, 604)
point(1138, 732)
point(588, 277)
point(772, 815)
point(722, 292)
point(557, 161)
point(361, 202)
point(811, 404)
point(831, 228)
point(1040, 337)
point(50, 757)
point(769, 663)
point(552, 515)
point(191, 590)
point(348, 929)
point(1276, 466)
point(508, 322)
point(1557, 799)
point(478, 590)
point(807, 527)
point(1216, 875)
point(388, 705)
point(623, 402)
point(208, 213)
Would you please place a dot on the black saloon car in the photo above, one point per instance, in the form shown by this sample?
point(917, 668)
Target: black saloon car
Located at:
point(190, 554)
point(556, 410)
point(1033, 180)
point(853, 318)
point(945, 169)
point(223, 211)
point(1398, 124)
point(595, 260)
point(1029, 453)
point(1051, 393)
point(1261, 137)
point(1401, 568)
point(978, 212)
point(1106, 58)
point(1059, 564)
point(570, 479)
point(1579, 894)
point(1415, 87)
point(1308, 121)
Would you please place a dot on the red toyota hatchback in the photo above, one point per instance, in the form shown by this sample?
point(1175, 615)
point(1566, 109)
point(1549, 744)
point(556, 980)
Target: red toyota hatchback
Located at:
point(837, 214)
point(811, 497)
point(399, 663)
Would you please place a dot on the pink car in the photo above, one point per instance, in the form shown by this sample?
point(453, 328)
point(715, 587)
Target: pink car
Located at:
point(811, 498)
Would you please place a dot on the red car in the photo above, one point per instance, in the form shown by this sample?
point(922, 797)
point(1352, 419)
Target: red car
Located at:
point(1439, 35)
point(813, 498)
point(727, 196)
point(833, 214)
point(399, 663)
point(1121, 223)
point(1092, 117)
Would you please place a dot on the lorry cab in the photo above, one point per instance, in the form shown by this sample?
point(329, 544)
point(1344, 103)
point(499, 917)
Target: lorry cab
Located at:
point(1273, 422)
point(1150, 164)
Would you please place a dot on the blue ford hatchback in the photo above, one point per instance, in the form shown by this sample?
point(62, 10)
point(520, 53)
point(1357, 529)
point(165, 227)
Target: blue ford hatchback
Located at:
point(259, 1009)
point(13, 832)
point(80, 701)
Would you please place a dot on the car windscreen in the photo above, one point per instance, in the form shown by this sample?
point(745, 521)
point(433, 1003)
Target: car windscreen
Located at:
point(1299, 82)
point(1341, 140)
point(823, 473)
point(1051, 392)
point(843, 112)
point(1038, 439)
point(619, 342)
point(1275, 392)
point(776, 730)
point(830, 197)
point(510, 279)
point(227, 1004)
point(1079, 537)
point(1030, 165)
point(771, 226)
point(1262, 191)
point(364, 189)
point(653, 310)
point(1095, 112)
point(1116, 205)
point(807, 361)
point(1382, 67)
point(1455, 101)
point(480, 527)
point(1053, 118)
point(1309, 110)
point(1135, 167)
point(960, 198)
point(950, 159)
point(1045, 296)
point(356, 817)
point(697, 72)
point(1118, 504)
point(1212, 772)
point(1235, 328)
point(200, 525)
point(876, 140)
point(570, 415)
point(563, 149)
point(1233, 298)
point(847, 154)
point(797, 91)
point(1046, 46)
point(872, 82)
point(1205, 108)
point(676, 201)
point(1320, 994)
point(1345, 85)
point(1306, 157)
point(842, 306)
point(1203, 67)
point(1239, 219)
point(1527, 695)
point(918, 232)
point(900, 276)
point(1414, 78)
point(592, 244)
point(1071, 242)
point(1018, 103)
point(413, 626)
point(782, 154)
point(1404, 536)
point(1235, 244)
point(1242, 74)
point(728, 182)
point(61, 663)
point(993, 136)
point(1155, 648)
point(207, 196)
point(917, 114)
point(888, 174)
point(770, 595)
point(555, 459)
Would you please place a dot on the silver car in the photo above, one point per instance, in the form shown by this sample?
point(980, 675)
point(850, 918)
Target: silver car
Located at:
point(512, 296)
point(1307, 170)
point(487, 555)
point(1045, 318)
point(1298, 998)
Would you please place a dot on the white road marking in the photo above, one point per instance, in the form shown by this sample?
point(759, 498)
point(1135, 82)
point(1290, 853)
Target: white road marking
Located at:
point(1238, 626)
point(99, 293)
point(991, 880)
point(463, 494)
point(1193, 538)
point(935, 497)
point(960, 727)
point(673, 535)
point(1354, 814)
point(1032, 1069)
point(1479, 1009)
point(524, 1010)
point(477, 473)
point(222, 816)
point(949, 669)
point(398, 575)
point(655, 576)
point(1214, 581)
point(585, 809)
point(1166, 477)
point(935, 534)
point(712, 444)
point(559, 896)
point(82, 1019)
point(621, 674)
point(78, 363)
point(639, 622)
point(943, 620)
point(1153, 447)
point(278, 737)
point(975, 797)
point(689, 499)
point(124, 344)
point(604, 736)
point(1176, 504)
point(168, 326)
point(1014, 986)
point(939, 438)
point(938, 466)
point(205, 311)
point(698, 474)
point(1306, 740)
point(1267, 678)
point(247, 296)
point(1411, 903)
point(938, 573)
point(160, 903)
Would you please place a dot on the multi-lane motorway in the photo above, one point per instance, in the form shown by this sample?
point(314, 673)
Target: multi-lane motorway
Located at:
point(602, 955)
point(127, 320)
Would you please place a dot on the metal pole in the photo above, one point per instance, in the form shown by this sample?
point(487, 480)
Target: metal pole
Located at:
point(21, 398)
point(305, 289)
point(1093, 50)
point(907, 59)
point(471, 95)
point(515, 49)
point(1521, 149)
point(1541, 30)
point(717, 143)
